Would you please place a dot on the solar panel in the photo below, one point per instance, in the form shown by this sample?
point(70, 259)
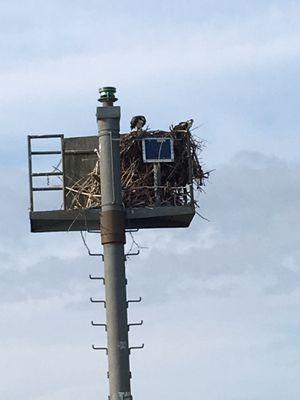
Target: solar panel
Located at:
point(158, 150)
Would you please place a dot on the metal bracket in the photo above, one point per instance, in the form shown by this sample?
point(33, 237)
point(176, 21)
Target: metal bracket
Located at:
point(88, 249)
point(100, 348)
point(136, 347)
point(135, 324)
point(96, 324)
point(96, 255)
point(132, 254)
point(100, 278)
point(134, 301)
point(98, 301)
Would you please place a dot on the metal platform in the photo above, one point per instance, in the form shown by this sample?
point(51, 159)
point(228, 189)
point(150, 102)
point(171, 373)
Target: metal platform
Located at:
point(88, 219)
point(78, 159)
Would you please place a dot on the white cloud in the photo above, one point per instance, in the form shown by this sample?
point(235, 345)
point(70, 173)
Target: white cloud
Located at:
point(257, 41)
point(236, 76)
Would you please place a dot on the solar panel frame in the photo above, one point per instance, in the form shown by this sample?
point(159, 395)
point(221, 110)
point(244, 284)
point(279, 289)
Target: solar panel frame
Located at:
point(158, 159)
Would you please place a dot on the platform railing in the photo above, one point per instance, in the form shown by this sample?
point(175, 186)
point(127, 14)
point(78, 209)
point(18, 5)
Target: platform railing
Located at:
point(31, 153)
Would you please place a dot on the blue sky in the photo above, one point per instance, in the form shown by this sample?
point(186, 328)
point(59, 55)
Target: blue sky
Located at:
point(221, 299)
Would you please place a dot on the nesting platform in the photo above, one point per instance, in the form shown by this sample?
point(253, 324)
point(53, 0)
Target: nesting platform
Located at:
point(88, 219)
point(168, 203)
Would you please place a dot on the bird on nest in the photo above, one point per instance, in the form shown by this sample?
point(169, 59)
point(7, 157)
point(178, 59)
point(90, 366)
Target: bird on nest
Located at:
point(184, 126)
point(137, 122)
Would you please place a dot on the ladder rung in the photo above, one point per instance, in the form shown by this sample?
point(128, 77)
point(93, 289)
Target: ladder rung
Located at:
point(47, 174)
point(45, 136)
point(42, 153)
point(78, 152)
point(46, 188)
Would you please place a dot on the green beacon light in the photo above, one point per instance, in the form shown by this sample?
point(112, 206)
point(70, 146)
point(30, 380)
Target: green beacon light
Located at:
point(107, 94)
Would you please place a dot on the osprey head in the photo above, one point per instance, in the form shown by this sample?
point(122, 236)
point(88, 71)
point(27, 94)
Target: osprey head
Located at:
point(137, 122)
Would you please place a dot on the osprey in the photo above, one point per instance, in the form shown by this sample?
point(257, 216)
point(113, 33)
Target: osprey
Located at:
point(184, 126)
point(137, 122)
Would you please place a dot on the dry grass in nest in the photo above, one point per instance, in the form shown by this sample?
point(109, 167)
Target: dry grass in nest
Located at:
point(138, 178)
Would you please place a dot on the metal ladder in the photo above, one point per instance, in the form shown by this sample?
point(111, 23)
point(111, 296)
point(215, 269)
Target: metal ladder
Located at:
point(32, 174)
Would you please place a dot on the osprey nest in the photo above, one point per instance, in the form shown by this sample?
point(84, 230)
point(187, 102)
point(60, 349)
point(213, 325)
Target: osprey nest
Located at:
point(139, 186)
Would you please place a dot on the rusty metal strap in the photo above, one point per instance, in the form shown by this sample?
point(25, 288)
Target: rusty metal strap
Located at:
point(112, 225)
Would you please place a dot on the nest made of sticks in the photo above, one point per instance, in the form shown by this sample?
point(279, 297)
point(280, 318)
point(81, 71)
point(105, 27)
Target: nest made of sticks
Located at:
point(177, 178)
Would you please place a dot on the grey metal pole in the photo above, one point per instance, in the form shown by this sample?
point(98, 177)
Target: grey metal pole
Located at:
point(157, 182)
point(112, 224)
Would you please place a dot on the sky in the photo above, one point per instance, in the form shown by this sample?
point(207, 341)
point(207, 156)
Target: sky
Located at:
point(221, 298)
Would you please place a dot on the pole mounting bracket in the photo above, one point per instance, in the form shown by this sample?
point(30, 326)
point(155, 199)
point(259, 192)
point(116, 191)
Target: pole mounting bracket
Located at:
point(134, 301)
point(135, 324)
point(100, 278)
point(100, 348)
point(92, 300)
point(136, 347)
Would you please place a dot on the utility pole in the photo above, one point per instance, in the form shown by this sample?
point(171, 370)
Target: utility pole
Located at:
point(113, 238)
point(166, 205)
